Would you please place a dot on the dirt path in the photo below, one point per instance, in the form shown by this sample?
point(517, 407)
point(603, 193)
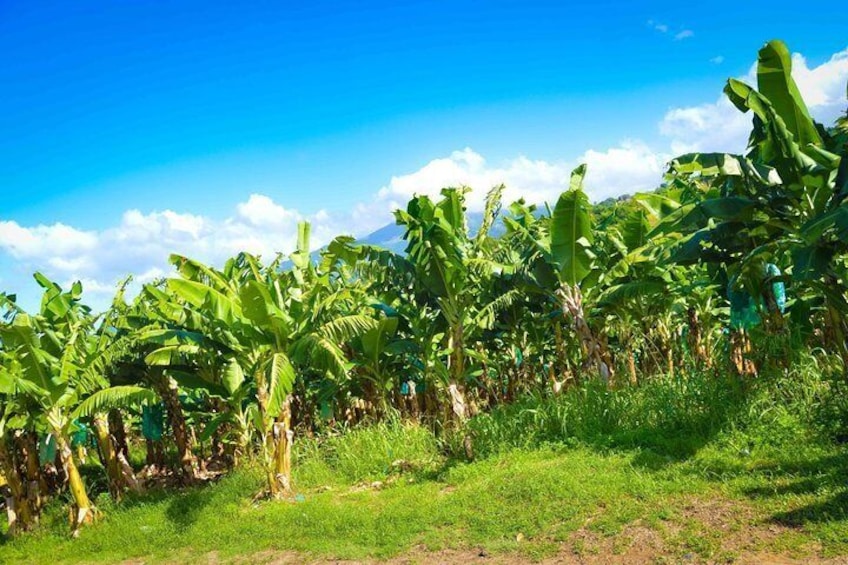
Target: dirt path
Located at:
point(635, 555)
point(702, 531)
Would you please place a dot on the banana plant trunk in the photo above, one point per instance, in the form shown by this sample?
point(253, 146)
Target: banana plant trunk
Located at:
point(835, 333)
point(155, 454)
point(595, 350)
point(282, 438)
point(696, 341)
point(276, 441)
point(82, 511)
point(456, 366)
point(166, 387)
point(19, 512)
point(740, 354)
point(36, 483)
point(118, 470)
point(119, 432)
point(631, 365)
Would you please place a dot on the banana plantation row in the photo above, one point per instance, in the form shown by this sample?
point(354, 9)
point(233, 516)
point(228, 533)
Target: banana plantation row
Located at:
point(733, 253)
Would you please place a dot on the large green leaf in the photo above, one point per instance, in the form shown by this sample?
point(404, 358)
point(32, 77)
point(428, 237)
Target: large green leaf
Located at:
point(375, 340)
point(198, 272)
point(233, 376)
point(774, 144)
point(616, 295)
point(345, 328)
point(199, 295)
point(658, 206)
point(280, 381)
point(775, 82)
point(636, 228)
point(256, 302)
point(167, 337)
point(836, 220)
point(319, 352)
point(571, 233)
point(728, 208)
point(36, 364)
point(452, 207)
point(490, 212)
point(435, 246)
point(811, 262)
point(171, 355)
point(114, 397)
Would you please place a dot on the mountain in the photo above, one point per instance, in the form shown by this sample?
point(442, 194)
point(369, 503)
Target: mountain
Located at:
point(390, 236)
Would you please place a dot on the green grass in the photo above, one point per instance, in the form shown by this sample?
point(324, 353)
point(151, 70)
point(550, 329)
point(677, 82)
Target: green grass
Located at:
point(711, 467)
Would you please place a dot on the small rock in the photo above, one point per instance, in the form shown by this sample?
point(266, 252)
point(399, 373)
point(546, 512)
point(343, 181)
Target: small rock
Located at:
point(520, 537)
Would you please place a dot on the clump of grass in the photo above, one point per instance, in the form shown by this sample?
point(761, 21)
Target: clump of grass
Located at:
point(369, 453)
point(677, 415)
point(591, 461)
point(674, 414)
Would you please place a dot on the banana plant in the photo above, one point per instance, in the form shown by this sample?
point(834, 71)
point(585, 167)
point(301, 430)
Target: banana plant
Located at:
point(49, 352)
point(276, 324)
point(781, 203)
point(450, 268)
point(562, 264)
point(21, 511)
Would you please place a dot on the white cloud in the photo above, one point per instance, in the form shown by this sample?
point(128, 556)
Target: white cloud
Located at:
point(532, 179)
point(717, 60)
point(719, 126)
point(58, 239)
point(823, 87)
point(141, 242)
point(709, 127)
point(259, 210)
point(628, 168)
point(662, 28)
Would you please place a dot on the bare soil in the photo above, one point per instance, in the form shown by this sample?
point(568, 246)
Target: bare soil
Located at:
point(702, 532)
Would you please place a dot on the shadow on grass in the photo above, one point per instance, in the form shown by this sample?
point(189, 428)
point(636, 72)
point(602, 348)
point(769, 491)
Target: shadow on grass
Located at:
point(184, 510)
point(668, 420)
point(821, 477)
point(832, 508)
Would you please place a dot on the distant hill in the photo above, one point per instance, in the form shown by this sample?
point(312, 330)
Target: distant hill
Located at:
point(390, 235)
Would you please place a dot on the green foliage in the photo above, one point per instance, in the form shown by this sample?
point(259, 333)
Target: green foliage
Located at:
point(571, 232)
point(764, 464)
point(648, 323)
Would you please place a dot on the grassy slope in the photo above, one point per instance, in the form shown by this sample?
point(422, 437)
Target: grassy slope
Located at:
point(703, 478)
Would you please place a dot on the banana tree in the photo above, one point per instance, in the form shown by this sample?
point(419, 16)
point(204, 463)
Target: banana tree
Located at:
point(21, 507)
point(781, 203)
point(561, 263)
point(50, 352)
point(277, 324)
point(450, 268)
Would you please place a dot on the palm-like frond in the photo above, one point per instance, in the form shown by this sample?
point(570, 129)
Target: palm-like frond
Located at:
point(320, 353)
point(281, 381)
point(114, 397)
point(488, 314)
point(345, 328)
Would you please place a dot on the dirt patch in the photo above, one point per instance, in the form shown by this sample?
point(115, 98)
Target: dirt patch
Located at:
point(732, 531)
point(700, 531)
point(635, 544)
point(639, 552)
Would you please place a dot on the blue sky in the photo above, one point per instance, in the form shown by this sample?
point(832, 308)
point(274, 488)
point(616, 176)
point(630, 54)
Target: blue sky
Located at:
point(192, 107)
